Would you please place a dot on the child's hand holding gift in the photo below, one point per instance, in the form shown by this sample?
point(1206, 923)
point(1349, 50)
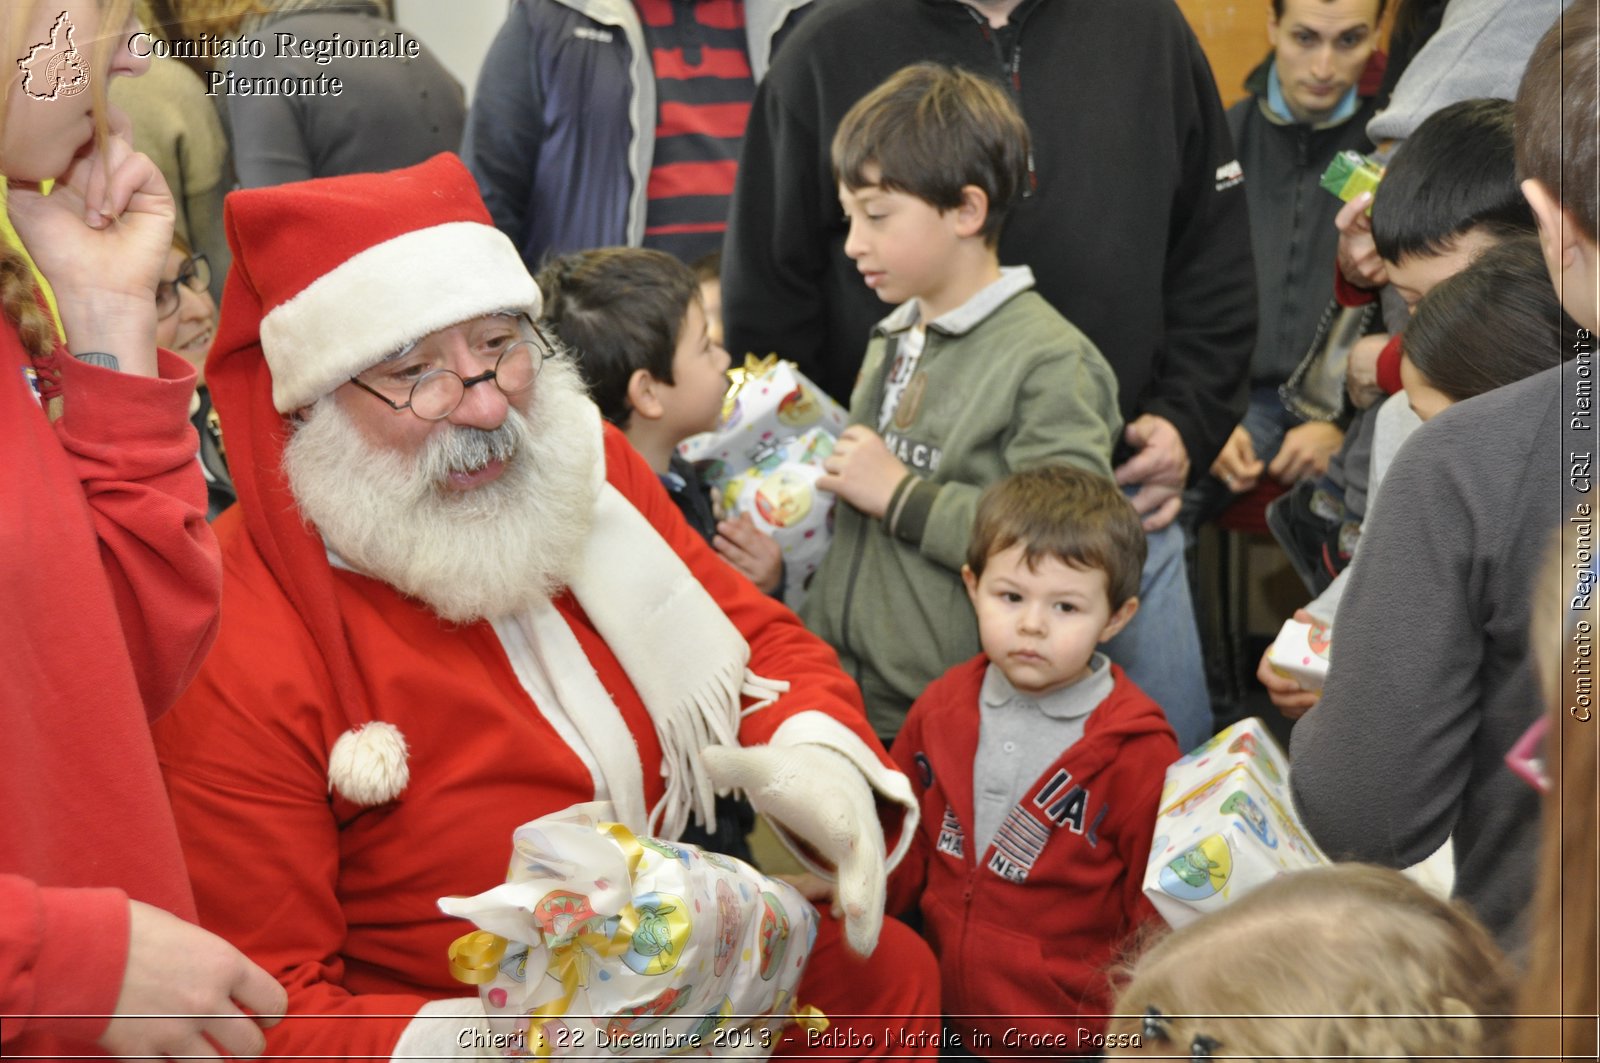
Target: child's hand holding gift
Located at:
point(751, 551)
point(863, 471)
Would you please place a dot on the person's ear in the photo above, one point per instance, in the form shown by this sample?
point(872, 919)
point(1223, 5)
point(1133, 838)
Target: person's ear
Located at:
point(1119, 619)
point(1572, 259)
point(1556, 232)
point(971, 581)
point(644, 395)
point(973, 211)
point(1272, 30)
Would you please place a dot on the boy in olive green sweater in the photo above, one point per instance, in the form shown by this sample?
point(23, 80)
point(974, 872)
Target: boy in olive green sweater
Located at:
point(973, 377)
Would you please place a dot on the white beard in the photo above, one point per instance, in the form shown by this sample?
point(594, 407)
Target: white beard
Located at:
point(486, 552)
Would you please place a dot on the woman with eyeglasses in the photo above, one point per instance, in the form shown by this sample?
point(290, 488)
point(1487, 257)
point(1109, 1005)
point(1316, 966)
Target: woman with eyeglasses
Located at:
point(109, 576)
point(186, 321)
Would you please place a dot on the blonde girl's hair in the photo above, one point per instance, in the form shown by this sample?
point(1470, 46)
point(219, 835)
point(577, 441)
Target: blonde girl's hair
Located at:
point(19, 296)
point(1345, 961)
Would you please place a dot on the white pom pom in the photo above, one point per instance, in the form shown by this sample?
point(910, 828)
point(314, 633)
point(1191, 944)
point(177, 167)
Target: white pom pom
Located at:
point(368, 764)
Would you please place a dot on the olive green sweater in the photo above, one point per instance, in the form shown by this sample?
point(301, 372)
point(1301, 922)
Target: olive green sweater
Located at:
point(1004, 383)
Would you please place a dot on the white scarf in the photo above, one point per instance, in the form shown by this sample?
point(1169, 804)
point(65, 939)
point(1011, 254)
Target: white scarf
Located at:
point(684, 657)
point(682, 654)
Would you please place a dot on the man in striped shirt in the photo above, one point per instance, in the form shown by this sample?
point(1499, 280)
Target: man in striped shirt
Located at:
point(605, 122)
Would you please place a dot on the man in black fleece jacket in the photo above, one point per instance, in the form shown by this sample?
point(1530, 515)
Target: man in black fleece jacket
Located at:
point(1135, 225)
point(1136, 228)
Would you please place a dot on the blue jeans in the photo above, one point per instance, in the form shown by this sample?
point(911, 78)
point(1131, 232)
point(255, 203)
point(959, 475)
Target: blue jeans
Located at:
point(1160, 648)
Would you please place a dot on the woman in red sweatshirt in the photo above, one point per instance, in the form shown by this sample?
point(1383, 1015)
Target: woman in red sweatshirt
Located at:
point(109, 576)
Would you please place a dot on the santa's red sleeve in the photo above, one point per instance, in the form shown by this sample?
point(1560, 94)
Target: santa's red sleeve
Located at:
point(822, 706)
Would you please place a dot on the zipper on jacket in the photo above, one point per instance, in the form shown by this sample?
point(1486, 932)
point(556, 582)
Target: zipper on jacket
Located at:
point(849, 596)
point(966, 909)
point(1011, 71)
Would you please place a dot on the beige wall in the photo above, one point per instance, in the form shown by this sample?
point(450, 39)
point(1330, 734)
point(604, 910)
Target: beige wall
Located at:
point(1234, 35)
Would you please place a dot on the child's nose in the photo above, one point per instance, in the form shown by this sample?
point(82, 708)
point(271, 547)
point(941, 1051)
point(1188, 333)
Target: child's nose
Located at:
point(853, 244)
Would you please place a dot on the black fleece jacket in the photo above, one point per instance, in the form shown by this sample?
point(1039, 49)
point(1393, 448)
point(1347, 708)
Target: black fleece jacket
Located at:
point(1136, 228)
point(1291, 217)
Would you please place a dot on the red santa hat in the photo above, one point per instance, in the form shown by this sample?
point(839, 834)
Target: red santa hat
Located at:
point(352, 269)
point(329, 277)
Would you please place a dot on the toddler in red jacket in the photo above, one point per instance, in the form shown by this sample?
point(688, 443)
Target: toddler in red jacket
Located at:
point(1039, 767)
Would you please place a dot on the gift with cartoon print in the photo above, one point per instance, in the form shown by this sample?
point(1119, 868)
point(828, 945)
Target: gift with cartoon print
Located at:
point(602, 943)
point(768, 401)
point(1227, 825)
point(779, 491)
point(765, 457)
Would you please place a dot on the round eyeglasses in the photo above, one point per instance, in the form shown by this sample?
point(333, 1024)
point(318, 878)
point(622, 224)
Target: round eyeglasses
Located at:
point(194, 274)
point(435, 393)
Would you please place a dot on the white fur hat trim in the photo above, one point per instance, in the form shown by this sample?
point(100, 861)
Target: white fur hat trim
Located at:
point(387, 296)
point(367, 765)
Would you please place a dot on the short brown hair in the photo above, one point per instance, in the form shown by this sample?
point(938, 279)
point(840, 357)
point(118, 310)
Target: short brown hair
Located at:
point(931, 130)
point(619, 310)
point(1060, 511)
point(1557, 111)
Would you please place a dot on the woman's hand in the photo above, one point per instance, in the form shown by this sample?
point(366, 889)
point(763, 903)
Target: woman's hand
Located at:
point(100, 238)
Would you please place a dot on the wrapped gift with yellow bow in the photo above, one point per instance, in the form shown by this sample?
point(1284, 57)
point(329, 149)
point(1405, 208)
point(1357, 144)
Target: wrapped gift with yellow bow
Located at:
point(764, 458)
point(601, 943)
point(768, 401)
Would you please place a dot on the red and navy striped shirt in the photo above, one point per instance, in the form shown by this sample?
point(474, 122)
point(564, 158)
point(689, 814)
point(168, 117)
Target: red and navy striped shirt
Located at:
point(703, 92)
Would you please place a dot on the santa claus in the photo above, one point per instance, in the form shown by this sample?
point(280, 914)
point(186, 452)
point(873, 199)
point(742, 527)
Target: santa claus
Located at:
point(454, 602)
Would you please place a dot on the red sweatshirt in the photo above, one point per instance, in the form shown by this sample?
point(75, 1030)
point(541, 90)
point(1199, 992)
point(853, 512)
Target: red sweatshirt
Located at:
point(1025, 948)
point(110, 585)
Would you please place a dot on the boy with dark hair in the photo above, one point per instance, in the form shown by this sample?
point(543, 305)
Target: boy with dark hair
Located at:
point(1450, 192)
point(1039, 768)
point(1434, 681)
point(972, 378)
point(635, 321)
point(1452, 187)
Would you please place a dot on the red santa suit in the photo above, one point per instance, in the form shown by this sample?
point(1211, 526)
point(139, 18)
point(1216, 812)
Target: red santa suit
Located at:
point(336, 897)
point(1026, 929)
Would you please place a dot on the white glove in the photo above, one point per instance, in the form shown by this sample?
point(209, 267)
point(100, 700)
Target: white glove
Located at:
point(821, 798)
